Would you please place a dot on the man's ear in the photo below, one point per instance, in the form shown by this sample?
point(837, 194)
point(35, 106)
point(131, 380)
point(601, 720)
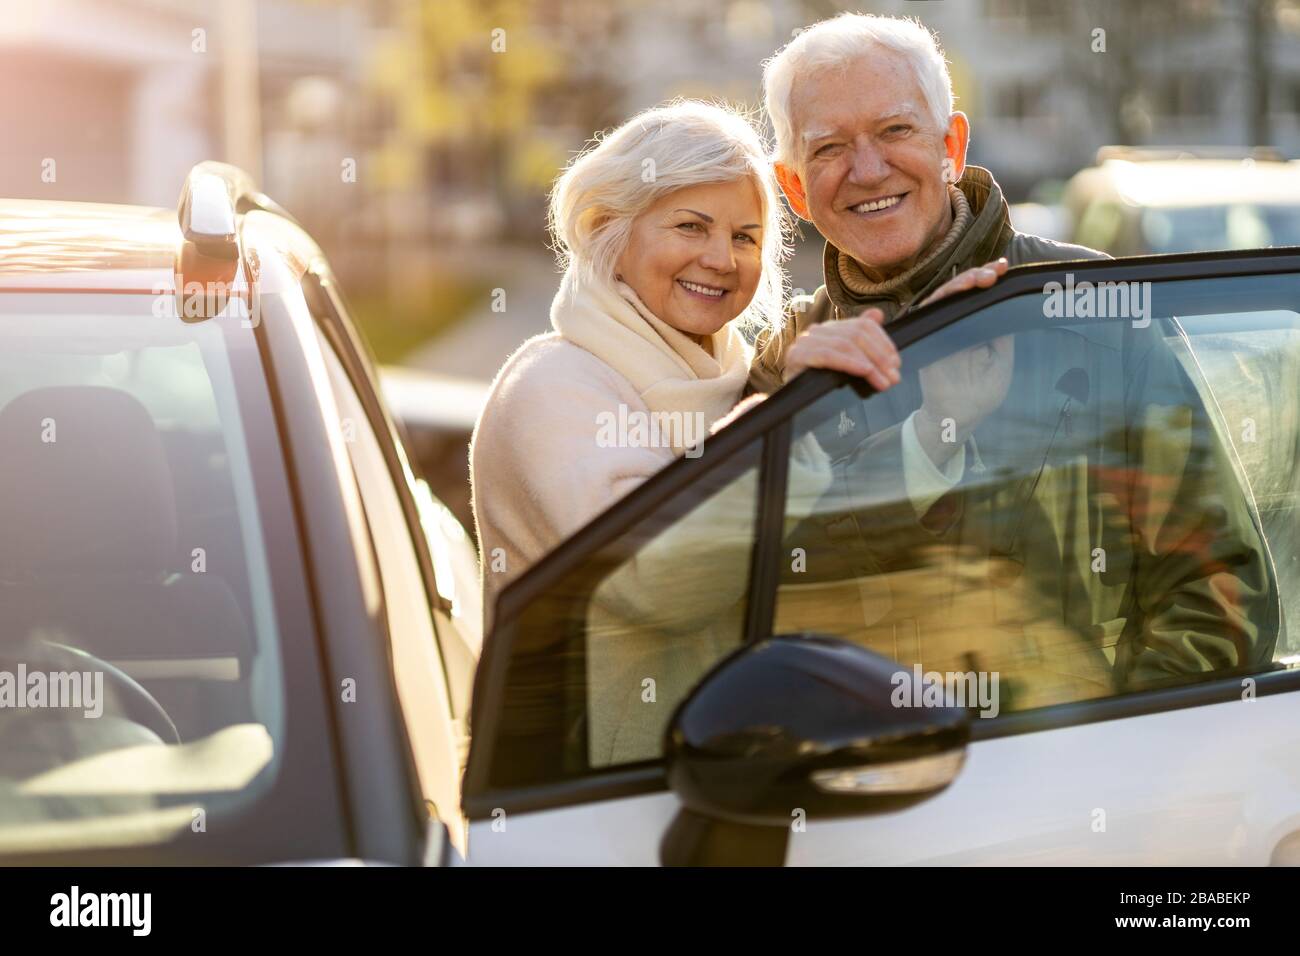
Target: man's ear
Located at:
point(792, 186)
point(955, 142)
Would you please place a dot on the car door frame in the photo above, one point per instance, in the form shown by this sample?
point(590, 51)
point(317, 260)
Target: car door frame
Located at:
point(325, 302)
point(374, 771)
point(676, 489)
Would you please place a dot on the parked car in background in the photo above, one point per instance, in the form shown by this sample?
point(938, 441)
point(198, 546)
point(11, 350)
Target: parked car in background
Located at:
point(1049, 220)
point(1137, 201)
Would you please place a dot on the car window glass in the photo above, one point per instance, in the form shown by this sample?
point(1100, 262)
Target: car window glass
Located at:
point(417, 669)
point(453, 555)
point(664, 616)
point(132, 528)
point(1097, 532)
point(1246, 365)
point(601, 656)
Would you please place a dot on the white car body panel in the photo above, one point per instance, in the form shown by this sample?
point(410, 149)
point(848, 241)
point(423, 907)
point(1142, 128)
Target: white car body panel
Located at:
point(1212, 785)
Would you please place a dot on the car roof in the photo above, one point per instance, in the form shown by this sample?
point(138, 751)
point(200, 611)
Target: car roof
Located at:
point(71, 245)
point(1201, 182)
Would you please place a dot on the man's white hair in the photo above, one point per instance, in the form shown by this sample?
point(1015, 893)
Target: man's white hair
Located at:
point(682, 143)
point(834, 44)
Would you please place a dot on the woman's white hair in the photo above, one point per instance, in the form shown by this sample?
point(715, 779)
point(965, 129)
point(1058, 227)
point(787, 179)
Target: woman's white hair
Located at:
point(837, 42)
point(619, 176)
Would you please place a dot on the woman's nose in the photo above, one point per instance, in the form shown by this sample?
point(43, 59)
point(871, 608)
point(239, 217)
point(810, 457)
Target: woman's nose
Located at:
point(718, 254)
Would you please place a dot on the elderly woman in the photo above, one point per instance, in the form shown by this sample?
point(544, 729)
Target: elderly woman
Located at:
point(672, 236)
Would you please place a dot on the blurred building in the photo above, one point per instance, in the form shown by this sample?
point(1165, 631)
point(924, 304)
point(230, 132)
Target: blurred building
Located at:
point(1042, 99)
point(115, 100)
point(102, 101)
point(445, 120)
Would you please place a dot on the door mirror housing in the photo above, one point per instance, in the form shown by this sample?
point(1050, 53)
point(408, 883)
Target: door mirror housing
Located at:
point(805, 723)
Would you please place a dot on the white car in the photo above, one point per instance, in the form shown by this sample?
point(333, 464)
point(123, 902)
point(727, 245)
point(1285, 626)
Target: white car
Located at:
point(215, 513)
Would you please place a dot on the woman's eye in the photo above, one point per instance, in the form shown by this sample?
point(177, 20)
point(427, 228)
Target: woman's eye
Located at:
point(691, 225)
point(745, 237)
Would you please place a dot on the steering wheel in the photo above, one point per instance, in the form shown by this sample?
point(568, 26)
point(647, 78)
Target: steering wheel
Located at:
point(128, 697)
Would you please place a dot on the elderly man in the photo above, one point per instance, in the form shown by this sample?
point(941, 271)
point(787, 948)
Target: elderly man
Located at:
point(871, 151)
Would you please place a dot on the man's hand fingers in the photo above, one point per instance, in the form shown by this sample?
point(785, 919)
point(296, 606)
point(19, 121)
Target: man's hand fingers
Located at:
point(877, 346)
point(979, 277)
point(851, 361)
point(858, 346)
point(867, 333)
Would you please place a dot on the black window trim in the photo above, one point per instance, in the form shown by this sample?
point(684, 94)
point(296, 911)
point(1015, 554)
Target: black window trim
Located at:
point(760, 424)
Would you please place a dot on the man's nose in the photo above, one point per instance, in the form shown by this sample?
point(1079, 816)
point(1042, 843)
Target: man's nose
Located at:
point(869, 164)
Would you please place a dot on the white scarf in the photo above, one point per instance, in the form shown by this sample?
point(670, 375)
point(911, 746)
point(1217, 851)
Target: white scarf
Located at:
point(668, 369)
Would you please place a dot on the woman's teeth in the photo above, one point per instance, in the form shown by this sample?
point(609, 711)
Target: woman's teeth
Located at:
point(877, 204)
point(702, 289)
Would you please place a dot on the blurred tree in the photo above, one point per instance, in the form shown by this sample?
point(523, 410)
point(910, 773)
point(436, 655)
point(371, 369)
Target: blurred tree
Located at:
point(457, 81)
point(1126, 89)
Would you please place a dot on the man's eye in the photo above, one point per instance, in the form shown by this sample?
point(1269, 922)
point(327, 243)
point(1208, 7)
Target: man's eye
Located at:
point(746, 237)
point(827, 149)
point(899, 128)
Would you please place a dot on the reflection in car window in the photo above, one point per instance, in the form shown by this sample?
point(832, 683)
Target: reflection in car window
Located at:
point(601, 656)
point(1246, 366)
point(662, 618)
point(1088, 527)
point(673, 609)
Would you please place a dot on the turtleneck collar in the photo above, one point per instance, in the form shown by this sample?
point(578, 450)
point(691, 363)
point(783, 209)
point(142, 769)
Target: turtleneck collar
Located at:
point(980, 230)
point(855, 278)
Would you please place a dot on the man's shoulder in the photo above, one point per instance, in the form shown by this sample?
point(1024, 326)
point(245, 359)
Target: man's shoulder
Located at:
point(1026, 249)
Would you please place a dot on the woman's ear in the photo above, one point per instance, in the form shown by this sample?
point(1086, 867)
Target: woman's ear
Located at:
point(792, 186)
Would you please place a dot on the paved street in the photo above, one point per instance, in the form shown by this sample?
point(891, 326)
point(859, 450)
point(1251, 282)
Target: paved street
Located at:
point(478, 345)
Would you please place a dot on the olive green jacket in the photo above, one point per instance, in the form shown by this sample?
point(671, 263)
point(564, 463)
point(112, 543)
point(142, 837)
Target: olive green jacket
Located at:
point(1134, 557)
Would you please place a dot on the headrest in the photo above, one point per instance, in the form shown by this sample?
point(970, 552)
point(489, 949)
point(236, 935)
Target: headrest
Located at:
point(84, 484)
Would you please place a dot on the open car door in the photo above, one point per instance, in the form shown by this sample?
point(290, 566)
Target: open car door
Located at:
point(1084, 636)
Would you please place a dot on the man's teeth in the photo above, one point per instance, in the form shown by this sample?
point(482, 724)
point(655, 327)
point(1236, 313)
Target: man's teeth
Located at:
point(702, 289)
point(878, 204)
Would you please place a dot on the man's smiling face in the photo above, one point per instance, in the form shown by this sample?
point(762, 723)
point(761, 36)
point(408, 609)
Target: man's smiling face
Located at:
point(871, 161)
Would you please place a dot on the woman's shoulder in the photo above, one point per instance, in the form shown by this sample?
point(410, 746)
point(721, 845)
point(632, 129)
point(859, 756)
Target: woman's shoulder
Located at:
point(550, 367)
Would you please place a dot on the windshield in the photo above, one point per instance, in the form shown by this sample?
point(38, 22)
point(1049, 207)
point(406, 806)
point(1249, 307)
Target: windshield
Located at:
point(1237, 226)
point(141, 685)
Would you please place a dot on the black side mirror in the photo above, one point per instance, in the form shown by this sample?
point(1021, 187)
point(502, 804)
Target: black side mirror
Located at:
point(799, 723)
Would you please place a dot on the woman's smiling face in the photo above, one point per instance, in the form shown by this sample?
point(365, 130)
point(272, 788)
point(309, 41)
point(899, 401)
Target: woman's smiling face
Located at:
point(694, 258)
